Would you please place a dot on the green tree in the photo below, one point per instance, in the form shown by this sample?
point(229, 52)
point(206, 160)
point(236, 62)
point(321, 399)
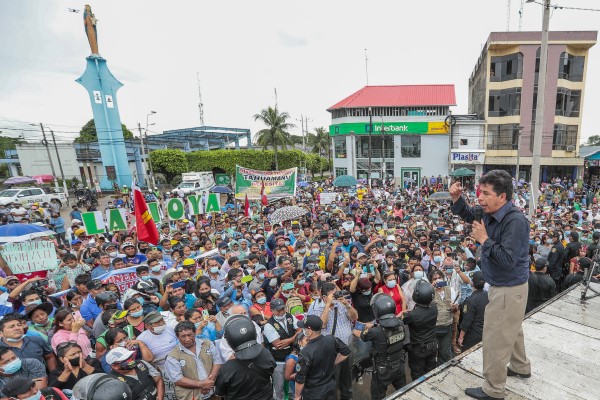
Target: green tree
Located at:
point(169, 162)
point(88, 133)
point(321, 143)
point(593, 140)
point(276, 134)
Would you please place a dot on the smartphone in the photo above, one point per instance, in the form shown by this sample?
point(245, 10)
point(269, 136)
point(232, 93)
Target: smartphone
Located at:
point(278, 271)
point(247, 278)
point(205, 315)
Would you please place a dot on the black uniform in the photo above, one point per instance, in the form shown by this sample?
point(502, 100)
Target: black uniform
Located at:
point(555, 262)
point(247, 379)
point(281, 354)
point(472, 321)
point(575, 278)
point(315, 367)
point(541, 289)
point(592, 249)
point(423, 341)
point(388, 356)
point(362, 305)
point(142, 388)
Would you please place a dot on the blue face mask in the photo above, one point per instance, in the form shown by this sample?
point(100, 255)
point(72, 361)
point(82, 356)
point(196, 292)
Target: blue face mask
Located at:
point(137, 313)
point(13, 366)
point(261, 300)
point(36, 396)
point(197, 324)
point(437, 259)
point(145, 278)
point(390, 284)
point(35, 302)
point(214, 270)
point(301, 282)
point(140, 300)
point(418, 275)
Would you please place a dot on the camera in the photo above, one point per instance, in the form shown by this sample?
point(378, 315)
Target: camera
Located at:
point(341, 293)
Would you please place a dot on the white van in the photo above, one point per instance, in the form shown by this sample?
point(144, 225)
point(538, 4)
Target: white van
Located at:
point(196, 182)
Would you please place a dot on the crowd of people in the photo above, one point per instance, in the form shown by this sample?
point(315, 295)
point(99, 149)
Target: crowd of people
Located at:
point(231, 305)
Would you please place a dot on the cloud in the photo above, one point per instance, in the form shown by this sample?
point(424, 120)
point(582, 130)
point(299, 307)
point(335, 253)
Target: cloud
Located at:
point(291, 41)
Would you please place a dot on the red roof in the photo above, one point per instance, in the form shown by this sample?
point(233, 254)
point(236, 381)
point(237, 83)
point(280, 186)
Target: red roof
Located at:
point(399, 96)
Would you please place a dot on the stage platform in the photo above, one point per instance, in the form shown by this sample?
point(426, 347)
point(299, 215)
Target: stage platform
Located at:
point(562, 340)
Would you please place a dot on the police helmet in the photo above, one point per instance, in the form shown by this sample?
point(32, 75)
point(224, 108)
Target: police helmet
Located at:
point(101, 387)
point(424, 293)
point(540, 263)
point(105, 297)
point(240, 334)
point(384, 308)
point(147, 287)
point(596, 235)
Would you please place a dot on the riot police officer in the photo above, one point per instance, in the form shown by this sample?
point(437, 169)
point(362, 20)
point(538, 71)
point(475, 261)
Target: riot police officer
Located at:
point(541, 286)
point(421, 323)
point(555, 259)
point(248, 375)
point(594, 246)
point(388, 338)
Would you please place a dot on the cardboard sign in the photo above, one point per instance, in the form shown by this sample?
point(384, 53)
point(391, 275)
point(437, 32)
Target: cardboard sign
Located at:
point(31, 256)
point(327, 197)
point(95, 224)
point(212, 203)
point(175, 209)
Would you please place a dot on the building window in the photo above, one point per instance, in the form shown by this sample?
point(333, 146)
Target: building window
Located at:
point(565, 137)
point(464, 142)
point(504, 102)
point(339, 146)
point(567, 102)
point(571, 67)
point(503, 137)
point(411, 146)
point(341, 171)
point(506, 68)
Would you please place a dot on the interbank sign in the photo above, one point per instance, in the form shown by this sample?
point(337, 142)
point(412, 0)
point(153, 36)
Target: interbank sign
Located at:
point(392, 128)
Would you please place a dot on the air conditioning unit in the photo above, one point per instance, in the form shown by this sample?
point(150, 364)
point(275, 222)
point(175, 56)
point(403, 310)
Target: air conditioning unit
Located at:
point(570, 148)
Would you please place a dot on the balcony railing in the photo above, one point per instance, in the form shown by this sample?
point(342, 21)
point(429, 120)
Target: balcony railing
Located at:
point(375, 153)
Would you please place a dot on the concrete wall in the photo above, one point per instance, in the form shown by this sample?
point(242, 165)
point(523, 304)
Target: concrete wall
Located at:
point(34, 160)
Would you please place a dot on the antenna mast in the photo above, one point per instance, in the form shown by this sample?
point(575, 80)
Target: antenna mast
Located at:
point(508, 16)
point(200, 104)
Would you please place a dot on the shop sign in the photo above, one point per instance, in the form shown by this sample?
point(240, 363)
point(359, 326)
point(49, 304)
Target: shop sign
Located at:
point(392, 128)
point(467, 158)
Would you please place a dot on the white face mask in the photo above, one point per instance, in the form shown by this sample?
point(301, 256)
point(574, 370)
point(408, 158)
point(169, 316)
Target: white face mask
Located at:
point(113, 254)
point(157, 330)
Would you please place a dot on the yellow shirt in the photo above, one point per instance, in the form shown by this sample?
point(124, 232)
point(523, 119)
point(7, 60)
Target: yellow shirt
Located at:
point(360, 193)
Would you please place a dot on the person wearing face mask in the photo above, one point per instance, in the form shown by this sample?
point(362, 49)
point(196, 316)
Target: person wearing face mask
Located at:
point(259, 278)
point(416, 274)
point(300, 252)
point(40, 321)
point(13, 367)
point(158, 337)
point(107, 301)
point(260, 312)
point(72, 367)
point(143, 379)
point(445, 300)
point(71, 269)
point(555, 258)
point(279, 333)
point(21, 388)
point(390, 287)
point(24, 346)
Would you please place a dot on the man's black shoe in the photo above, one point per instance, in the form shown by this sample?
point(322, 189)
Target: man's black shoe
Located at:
point(510, 372)
point(478, 393)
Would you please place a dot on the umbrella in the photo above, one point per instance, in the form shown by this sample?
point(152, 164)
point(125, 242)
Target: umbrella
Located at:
point(14, 233)
point(220, 189)
point(440, 196)
point(459, 173)
point(18, 180)
point(345, 181)
point(43, 178)
point(303, 184)
point(362, 180)
point(286, 214)
point(558, 185)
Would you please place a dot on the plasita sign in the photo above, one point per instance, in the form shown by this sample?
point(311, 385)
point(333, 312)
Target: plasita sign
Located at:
point(471, 158)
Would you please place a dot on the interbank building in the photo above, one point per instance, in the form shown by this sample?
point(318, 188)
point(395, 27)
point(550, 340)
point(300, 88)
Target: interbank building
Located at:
point(406, 126)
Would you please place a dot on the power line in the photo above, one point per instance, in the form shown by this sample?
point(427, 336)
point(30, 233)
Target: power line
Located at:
point(557, 7)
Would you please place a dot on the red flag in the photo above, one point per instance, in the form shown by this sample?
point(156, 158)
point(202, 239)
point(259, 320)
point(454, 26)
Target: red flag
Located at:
point(263, 196)
point(146, 228)
point(247, 207)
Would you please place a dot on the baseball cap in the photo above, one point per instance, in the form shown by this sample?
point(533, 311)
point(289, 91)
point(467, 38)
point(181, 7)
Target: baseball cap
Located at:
point(76, 222)
point(540, 263)
point(127, 244)
point(74, 242)
point(94, 284)
point(118, 354)
point(359, 255)
point(585, 262)
point(153, 317)
point(223, 302)
point(119, 314)
point(311, 321)
point(478, 277)
point(222, 245)
point(79, 232)
point(47, 307)
point(17, 386)
point(391, 238)
point(277, 304)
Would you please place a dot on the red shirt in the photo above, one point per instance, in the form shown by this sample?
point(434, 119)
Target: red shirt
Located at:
point(395, 293)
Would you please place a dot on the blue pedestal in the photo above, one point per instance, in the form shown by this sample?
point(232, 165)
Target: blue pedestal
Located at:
point(102, 88)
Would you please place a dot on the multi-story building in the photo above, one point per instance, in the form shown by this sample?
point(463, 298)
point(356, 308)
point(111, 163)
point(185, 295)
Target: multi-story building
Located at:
point(403, 128)
point(503, 91)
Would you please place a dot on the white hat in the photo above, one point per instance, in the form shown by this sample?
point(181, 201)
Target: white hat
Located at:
point(75, 221)
point(118, 354)
point(391, 238)
point(359, 255)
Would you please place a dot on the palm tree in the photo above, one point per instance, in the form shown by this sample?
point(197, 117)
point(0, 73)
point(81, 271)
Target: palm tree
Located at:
point(276, 132)
point(320, 142)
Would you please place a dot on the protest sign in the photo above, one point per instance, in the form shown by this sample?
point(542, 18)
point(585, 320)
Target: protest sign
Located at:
point(212, 203)
point(327, 197)
point(31, 256)
point(155, 211)
point(93, 223)
point(175, 209)
point(124, 278)
point(276, 183)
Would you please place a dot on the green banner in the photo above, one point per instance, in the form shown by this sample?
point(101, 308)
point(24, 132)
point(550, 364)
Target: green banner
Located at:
point(276, 183)
point(390, 128)
point(222, 179)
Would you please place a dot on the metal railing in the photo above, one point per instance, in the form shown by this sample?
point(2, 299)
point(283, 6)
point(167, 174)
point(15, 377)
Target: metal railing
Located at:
point(375, 153)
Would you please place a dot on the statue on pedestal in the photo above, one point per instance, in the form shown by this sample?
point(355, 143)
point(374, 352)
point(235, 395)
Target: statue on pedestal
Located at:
point(89, 22)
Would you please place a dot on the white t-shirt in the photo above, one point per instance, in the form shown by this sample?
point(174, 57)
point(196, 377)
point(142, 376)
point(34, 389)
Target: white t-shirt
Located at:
point(160, 345)
point(226, 350)
point(18, 213)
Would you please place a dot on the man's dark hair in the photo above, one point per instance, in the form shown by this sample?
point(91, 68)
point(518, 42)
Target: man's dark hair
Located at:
point(82, 279)
point(116, 260)
point(232, 273)
point(69, 257)
point(26, 293)
point(327, 288)
point(500, 180)
point(142, 268)
point(14, 316)
point(184, 326)
point(253, 257)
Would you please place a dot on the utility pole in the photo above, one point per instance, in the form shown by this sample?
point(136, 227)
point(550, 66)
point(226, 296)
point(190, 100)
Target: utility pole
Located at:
point(143, 154)
point(150, 163)
point(45, 143)
point(62, 174)
point(370, 132)
point(200, 103)
point(539, 114)
point(518, 158)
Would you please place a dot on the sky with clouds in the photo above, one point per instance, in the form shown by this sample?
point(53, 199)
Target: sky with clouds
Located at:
point(312, 52)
